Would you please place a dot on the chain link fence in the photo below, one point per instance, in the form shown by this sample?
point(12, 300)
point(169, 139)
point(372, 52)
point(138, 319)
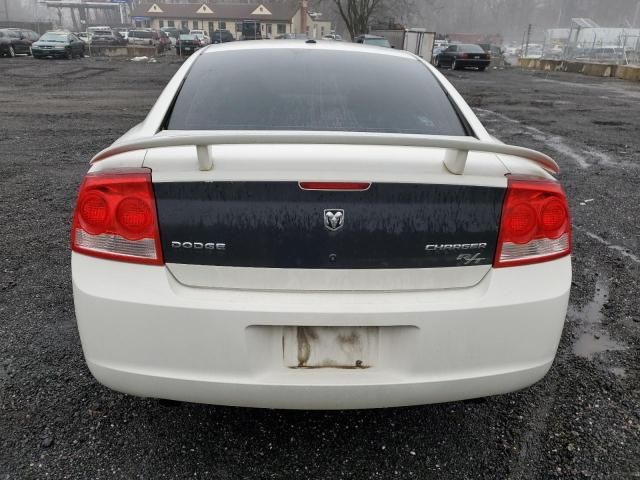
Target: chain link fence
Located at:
point(617, 46)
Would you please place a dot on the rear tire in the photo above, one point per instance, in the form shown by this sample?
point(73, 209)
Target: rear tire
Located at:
point(482, 69)
point(454, 65)
point(437, 62)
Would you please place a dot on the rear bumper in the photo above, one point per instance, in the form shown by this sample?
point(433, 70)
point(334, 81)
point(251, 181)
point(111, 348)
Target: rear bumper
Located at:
point(473, 63)
point(48, 53)
point(187, 49)
point(145, 334)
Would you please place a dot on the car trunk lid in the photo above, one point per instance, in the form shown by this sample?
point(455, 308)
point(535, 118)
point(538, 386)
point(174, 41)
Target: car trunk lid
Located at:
point(249, 224)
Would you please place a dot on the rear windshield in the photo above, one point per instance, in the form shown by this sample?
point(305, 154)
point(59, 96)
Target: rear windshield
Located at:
point(55, 37)
point(379, 42)
point(101, 33)
point(141, 34)
point(296, 89)
point(471, 49)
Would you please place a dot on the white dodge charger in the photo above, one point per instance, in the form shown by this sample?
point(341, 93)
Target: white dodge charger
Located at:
point(318, 225)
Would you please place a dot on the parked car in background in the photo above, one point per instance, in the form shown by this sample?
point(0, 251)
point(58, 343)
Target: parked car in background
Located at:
point(146, 36)
point(332, 36)
point(26, 33)
point(58, 44)
point(464, 55)
point(293, 36)
point(222, 36)
point(437, 51)
point(13, 42)
point(512, 50)
point(84, 36)
point(123, 31)
point(533, 51)
point(187, 44)
point(107, 38)
point(202, 36)
point(496, 54)
point(142, 36)
point(97, 28)
point(172, 32)
point(373, 40)
point(165, 41)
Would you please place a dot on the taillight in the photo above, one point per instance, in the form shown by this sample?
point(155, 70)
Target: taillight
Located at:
point(535, 225)
point(115, 217)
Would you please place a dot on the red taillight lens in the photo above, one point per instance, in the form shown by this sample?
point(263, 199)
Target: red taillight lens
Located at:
point(553, 217)
point(115, 217)
point(134, 215)
point(535, 225)
point(94, 212)
point(357, 186)
point(521, 223)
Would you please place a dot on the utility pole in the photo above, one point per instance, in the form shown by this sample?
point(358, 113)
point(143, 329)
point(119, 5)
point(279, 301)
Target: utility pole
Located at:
point(635, 16)
point(6, 10)
point(35, 12)
point(526, 47)
point(560, 13)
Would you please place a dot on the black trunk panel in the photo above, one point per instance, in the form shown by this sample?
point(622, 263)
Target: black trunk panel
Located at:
point(279, 225)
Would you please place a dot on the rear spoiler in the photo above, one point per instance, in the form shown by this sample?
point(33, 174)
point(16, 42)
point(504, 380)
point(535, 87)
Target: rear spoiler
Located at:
point(455, 158)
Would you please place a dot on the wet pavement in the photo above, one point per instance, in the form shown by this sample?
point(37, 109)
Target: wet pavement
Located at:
point(581, 421)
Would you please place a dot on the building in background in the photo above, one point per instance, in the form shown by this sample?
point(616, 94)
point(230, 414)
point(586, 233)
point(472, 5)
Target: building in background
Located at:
point(271, 20)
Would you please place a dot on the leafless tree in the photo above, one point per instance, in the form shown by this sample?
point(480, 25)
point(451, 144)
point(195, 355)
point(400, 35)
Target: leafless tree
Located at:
point(356, 14)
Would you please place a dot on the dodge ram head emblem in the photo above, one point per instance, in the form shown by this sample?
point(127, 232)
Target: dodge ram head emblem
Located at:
point(334, 219)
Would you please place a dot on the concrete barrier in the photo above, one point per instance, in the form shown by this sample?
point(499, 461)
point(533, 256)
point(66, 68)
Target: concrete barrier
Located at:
point(628, 72)
point(598, 69)
point(624, 72)
point(550, 65)
point(123, 51)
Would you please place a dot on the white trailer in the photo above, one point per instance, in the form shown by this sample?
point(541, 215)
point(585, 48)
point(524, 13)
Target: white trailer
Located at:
point(415, 40)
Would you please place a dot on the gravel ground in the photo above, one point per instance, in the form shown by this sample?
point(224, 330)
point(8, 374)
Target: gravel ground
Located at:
point(581, 421)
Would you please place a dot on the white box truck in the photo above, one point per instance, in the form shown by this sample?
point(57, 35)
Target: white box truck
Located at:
point(415, 40)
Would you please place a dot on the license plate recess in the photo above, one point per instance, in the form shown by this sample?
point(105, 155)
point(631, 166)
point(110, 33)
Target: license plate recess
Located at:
point(330, 347)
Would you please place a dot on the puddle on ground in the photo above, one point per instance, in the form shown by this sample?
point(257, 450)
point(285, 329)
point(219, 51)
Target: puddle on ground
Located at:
point(593, 338)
